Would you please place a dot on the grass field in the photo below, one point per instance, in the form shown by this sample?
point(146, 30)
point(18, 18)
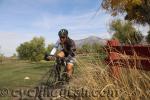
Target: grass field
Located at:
point(90, 76)
point(12, 74)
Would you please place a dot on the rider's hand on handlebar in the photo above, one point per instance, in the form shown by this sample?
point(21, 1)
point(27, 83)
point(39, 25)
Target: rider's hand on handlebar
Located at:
point(51, 57)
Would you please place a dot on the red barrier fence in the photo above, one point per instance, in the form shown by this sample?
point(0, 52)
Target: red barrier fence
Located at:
point(133, 56)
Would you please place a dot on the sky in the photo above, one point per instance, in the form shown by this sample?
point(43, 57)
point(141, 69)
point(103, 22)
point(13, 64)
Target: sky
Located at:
point(21, 20)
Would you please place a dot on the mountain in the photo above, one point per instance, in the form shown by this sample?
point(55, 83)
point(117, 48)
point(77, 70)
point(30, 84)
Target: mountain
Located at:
point(90, 40)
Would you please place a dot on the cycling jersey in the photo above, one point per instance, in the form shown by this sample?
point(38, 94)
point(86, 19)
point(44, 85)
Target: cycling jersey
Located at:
point(68, 47)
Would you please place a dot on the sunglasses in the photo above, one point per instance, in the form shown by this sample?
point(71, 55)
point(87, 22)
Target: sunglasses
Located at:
point(62, 37)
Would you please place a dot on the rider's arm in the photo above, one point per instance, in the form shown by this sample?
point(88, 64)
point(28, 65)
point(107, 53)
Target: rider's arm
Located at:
point(55, 48)
point(73, 47)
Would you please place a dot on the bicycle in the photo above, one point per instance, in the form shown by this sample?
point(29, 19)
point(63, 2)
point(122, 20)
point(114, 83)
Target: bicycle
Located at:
point(57, 74)
point(55, 77)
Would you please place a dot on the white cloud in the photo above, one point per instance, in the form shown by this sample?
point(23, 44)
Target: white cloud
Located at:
point(80, 26)
point(75, 23)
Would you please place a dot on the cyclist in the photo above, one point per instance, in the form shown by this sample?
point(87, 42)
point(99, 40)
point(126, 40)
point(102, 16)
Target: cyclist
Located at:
point(67, 49)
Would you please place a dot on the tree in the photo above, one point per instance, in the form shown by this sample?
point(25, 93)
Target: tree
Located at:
point(24, 51)
point(125, 32)
point(14, 55)
point(49, 48)
point(1, 56)
point(96, 47)
point(135, 10)
point(86, 48)
point(33, 50)
point(148, 37)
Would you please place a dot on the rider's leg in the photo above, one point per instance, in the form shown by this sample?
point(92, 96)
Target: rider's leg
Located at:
point(59, 56)
point(69, 69)
point(70, 65)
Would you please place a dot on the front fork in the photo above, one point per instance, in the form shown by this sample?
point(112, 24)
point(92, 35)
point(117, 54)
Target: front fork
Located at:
point(59, 63)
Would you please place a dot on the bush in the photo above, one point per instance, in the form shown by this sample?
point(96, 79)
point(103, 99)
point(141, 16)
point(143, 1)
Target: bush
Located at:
point(33, 50)
point(125, 32)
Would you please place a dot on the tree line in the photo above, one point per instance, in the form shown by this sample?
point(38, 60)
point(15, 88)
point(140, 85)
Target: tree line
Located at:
point(33, 50)
point(134, 12)
point(137, 11)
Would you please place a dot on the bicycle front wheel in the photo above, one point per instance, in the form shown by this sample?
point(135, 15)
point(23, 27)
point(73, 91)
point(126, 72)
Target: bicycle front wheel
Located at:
point(52, 78)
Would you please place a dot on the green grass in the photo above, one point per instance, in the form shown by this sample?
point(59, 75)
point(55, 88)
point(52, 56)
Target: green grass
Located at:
point(12, 74)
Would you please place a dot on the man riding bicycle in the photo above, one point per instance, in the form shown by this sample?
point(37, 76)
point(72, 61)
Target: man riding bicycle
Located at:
point(67, 49)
